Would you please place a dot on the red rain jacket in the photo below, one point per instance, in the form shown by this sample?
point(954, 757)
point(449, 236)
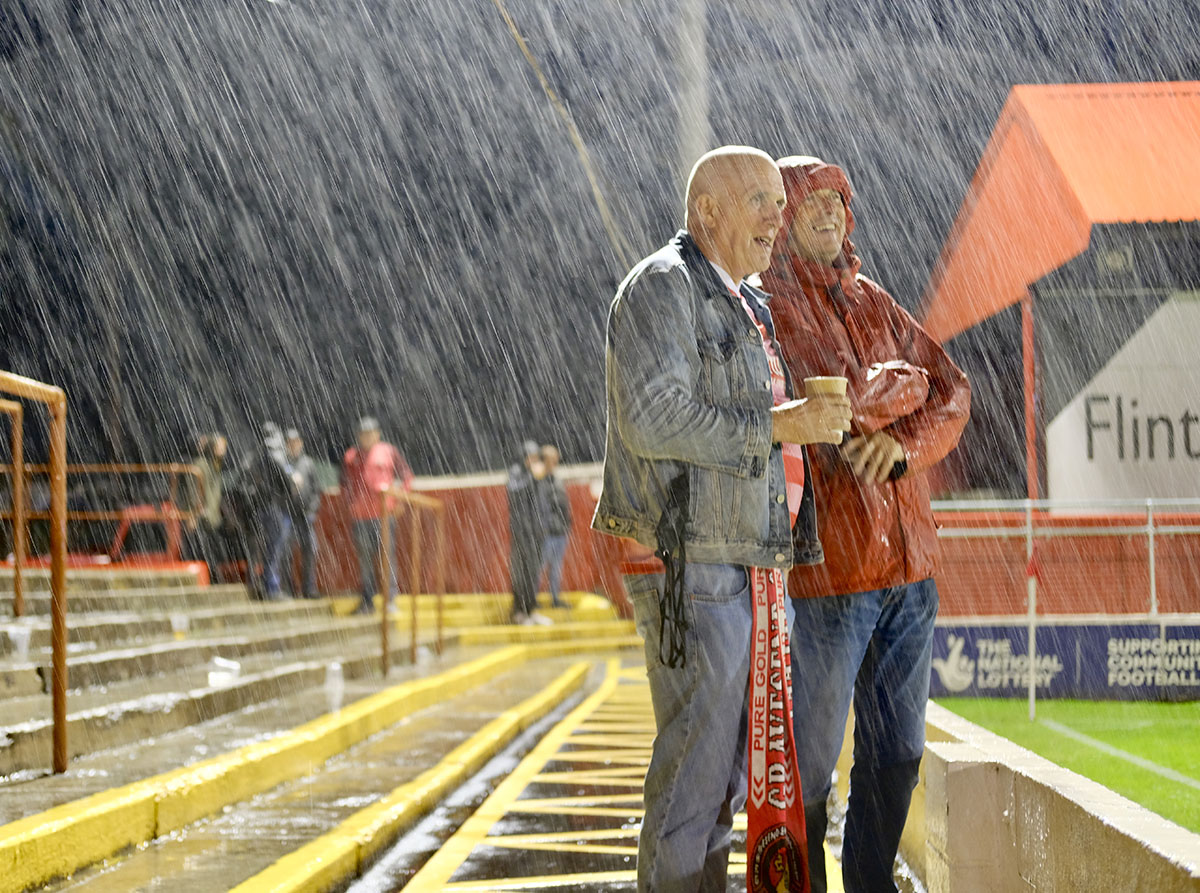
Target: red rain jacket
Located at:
point(900, 381)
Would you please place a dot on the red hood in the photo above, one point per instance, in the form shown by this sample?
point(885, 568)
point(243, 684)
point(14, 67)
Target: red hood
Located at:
point(803, 175)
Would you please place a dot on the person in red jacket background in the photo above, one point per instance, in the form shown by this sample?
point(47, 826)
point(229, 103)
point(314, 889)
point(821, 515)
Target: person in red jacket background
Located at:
point(864, 618)
point(371, 468)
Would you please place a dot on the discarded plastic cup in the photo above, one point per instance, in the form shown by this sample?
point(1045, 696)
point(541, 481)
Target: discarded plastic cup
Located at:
point(222, 672)
point(19, 635)
point(335, 686)
point(179, 625)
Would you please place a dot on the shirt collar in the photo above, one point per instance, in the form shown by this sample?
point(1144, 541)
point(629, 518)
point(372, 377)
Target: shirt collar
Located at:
point(735, 287)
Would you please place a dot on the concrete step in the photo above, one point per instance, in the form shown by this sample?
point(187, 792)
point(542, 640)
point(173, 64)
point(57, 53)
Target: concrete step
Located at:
point(97, 579)
point(144, 600)
point(106, 667)
point(141, 709)
point(432, 751)
point(103, 629)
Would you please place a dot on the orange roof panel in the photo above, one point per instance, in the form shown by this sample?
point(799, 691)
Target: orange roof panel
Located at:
point(1061, 158)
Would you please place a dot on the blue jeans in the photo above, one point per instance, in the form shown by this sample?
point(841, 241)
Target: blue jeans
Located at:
point(696, 782)
point(304, 534)
point(875, 647)
point(366, 544)
point(276, 528)
point(554, 549)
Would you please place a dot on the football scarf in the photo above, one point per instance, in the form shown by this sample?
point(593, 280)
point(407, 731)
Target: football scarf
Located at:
point(776, 847)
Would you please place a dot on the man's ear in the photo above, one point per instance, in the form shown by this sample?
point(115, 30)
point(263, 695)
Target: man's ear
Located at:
point(706, 210)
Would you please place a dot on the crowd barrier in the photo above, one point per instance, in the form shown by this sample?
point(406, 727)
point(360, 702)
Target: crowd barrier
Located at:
point(55, 401)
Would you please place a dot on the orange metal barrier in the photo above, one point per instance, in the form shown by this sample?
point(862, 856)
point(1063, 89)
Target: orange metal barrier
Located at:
point(166, 512)
point(56, 402)
point(412, 504)
point(1101, 557)
point(16, 414)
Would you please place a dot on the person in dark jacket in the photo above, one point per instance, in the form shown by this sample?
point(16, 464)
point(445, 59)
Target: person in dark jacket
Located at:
point(273, 491)
point(555, 512)
point(864, 618)
point(302, 509)
point(525, 531)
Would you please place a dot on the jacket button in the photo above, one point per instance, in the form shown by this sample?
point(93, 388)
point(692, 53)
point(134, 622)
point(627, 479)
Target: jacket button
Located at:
point(781, 498)
point(751, 335)
point(779, 556)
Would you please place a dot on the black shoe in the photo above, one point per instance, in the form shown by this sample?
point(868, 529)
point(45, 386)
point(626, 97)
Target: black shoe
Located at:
point(364, 608)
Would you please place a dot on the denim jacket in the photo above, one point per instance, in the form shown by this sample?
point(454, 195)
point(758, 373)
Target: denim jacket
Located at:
point(689, 392)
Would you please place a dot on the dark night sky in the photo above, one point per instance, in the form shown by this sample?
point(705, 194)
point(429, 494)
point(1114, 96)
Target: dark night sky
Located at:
point(312, 209)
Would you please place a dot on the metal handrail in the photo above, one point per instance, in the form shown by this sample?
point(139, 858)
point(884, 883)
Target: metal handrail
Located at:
point(392, 503)
point(1024, 516)
point(56, 403)
point(1019, 505)
point(16, 413)
point(167, 511)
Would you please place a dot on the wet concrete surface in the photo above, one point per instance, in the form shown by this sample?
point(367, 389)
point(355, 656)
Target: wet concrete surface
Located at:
point(31, 792)
point(394, 869)
point(569, 820)
point(219, 852)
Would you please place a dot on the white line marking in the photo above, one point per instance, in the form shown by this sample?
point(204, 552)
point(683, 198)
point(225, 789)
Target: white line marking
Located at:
point(1121, 754)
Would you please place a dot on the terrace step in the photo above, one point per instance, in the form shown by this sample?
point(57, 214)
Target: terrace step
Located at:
point(97, 579)
point(106, 667)
point(140, 709)
point(139, 600)
point(102, 628)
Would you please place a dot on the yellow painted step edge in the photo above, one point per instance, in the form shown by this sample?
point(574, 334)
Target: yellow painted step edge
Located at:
point(60, 841)
point(494, 635)
point(331, 860)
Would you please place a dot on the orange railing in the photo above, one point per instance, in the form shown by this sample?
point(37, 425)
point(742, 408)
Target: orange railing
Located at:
point(16, 413)
point(166, 512)
point(412, 504)
point(56, 403)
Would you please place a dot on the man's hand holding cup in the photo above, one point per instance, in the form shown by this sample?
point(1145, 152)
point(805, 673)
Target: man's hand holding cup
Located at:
point(822, 416)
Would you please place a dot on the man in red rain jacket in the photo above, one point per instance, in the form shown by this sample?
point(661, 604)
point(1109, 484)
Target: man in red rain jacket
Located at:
point(864, 618)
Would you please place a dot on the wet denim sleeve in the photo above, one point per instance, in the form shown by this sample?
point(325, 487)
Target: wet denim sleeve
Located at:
point(655, 370)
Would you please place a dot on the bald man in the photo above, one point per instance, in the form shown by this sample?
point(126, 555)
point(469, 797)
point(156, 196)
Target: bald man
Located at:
point(698, 406)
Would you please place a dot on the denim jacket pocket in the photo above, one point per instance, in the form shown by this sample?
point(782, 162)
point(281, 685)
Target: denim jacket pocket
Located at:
point(717, 384)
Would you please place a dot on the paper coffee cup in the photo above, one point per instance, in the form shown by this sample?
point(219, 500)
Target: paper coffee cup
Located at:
point(824, 384)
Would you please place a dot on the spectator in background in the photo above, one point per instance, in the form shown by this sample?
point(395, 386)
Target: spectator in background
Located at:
point(371, 468)
point(202, 541)
point(555, 513)
point(302, 512)
point(525, 532)
point(274, 491)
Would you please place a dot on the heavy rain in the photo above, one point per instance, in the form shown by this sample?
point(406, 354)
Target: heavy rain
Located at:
point(256, 216)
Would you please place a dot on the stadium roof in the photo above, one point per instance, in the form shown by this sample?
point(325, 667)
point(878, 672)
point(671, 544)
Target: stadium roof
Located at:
point(1061, 158)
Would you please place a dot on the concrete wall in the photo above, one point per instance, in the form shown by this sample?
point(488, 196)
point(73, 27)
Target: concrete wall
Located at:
point(992, 816)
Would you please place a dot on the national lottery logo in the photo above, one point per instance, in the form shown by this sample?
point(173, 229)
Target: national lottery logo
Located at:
point(776, 863)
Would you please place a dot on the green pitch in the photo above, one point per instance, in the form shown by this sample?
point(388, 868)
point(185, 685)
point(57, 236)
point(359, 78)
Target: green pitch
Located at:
point(1148, 752)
